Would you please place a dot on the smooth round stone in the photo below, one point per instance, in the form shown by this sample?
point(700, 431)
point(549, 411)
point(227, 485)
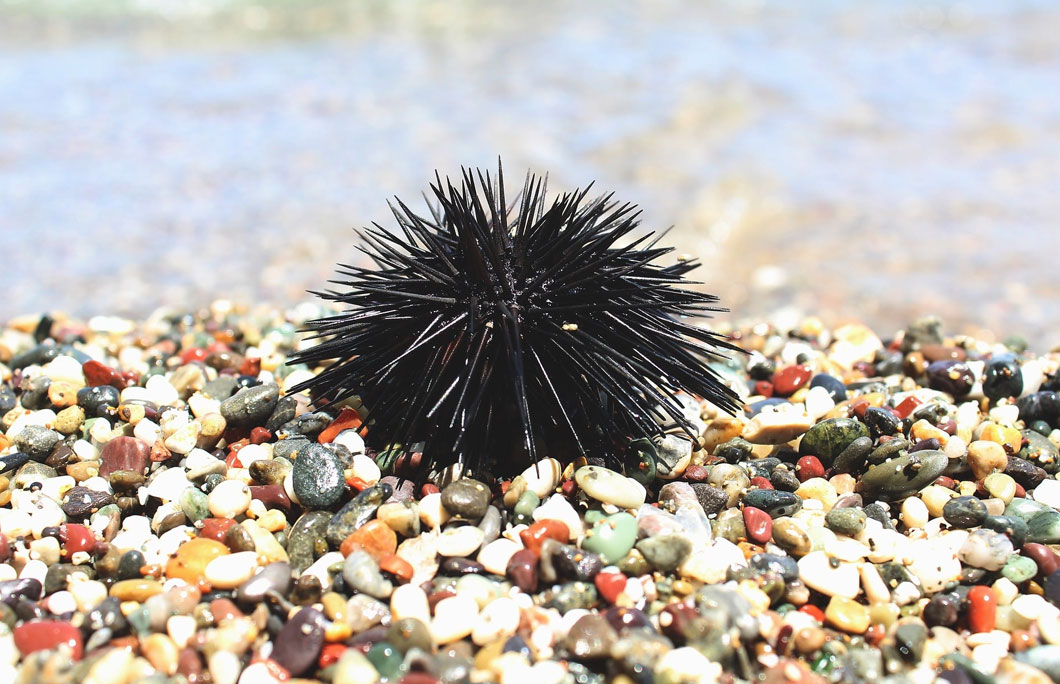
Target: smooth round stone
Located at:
point(229, 499)
point(499, 620)
point(251, 405)
point(521, 568)
point(819, 572)
point(124, 453)
point(610, 487)
point(847, 615)
point(1000, 486)
point(612, 537)
point(776, 427)
point(985, 457)
point(982, 609)
point(273, 577)
point(192, 557)
point(36, 440)
point(317, 478)
point(1019, 569)
point(194, 503)
point(138, 590)
point(1002, 379)
point(454, 618)
point(950, 376)
point(848, 521)
point(665, 552)
point(1043, 405)
point(986, 549)
point(466, 499)
point(228, 572)
point(356, 512)
point(833, 385)
point(495, 555)
point(408, 634)
point(591, 637)
point(361, 572)
point(758, 524)
point(459, 542)
point(1039, 449)
point(543, 477)
point(400, 516)
point(942, 610)
point(903, 476)
point(964, 512)
point(775, 503)
point(298, 644)
point(42, 635)
point(790, 536)
point(828, 438)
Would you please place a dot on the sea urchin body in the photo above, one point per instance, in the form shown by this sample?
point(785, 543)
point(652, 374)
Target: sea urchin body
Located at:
point(492, 333)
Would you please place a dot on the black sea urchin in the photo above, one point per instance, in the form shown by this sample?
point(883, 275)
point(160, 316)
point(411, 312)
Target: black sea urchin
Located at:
point(493, 333)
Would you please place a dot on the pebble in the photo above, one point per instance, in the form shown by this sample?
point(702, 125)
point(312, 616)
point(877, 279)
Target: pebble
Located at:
point(197, 522)
point(317, 478)
point(610, 487)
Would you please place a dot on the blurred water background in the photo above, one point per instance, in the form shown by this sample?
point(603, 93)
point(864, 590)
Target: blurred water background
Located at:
point(869, 161)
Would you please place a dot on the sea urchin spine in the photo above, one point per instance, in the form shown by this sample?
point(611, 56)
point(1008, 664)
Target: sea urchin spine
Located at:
point(493, 332)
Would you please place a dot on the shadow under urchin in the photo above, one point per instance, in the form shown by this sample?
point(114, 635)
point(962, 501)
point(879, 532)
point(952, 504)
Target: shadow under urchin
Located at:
point(496, 334)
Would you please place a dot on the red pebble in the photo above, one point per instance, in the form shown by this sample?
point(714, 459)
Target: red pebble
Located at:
point(96, 374)
point(761, 482)
point(758, 523)
point(906, 408)
point(610, 585)
point(982, 609)
point(259, 435)
point(348, 419)
point(764, 388)
point(215, 528)
point(77, 538)
point(232, 461)
point(330, 654)
point(42, 635)
point(193, 354)
point(859, 407)
point(809, 467)
point(1044, 557)
point(535, 535)
point(813, 611)
point(250, 367)
point(568, 487)
point(429, 489)
point(787, 380)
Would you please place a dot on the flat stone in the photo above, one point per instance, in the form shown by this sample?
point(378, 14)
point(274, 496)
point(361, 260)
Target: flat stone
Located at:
point(610, 487)
point(251, 405)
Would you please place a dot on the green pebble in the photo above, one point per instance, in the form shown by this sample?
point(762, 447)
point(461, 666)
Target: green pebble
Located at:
point(848, 521)
point(385, 659)
point(195, 504)
point(1019, 569)
point(528, 501)
point(612, 537)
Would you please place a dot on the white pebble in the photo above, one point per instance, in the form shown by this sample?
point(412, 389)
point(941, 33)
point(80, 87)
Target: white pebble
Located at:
point(184, 438)
point(409, 601)
point(460, 542)
point(64, 368)
point(543, 477)
point(168, 484)
point(61, 602)
point(495, 555)
point(454, 618)
point(432, 513)
point(1048, 493)
point(914, 513)
point(816, 570)
point(85, 451)
point(365, 469)
point(88, 593)
point(228, 572)
point(229, 499)
point(147, 430)
point(43, 418)
point(499, 619)
point(181, 628)
point(202, 405)
point(352, 440)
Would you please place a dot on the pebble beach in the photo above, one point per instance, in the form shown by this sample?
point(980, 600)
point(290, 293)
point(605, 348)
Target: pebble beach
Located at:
point(885, 508)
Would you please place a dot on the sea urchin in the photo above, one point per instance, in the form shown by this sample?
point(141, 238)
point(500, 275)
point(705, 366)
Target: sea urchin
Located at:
point(494, 333)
